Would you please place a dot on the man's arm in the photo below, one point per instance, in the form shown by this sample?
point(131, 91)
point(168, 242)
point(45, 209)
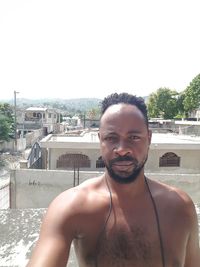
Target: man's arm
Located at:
point(192, 258)
point(56, 235)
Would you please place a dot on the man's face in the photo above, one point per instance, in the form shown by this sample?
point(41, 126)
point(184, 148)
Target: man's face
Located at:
point(124, 140)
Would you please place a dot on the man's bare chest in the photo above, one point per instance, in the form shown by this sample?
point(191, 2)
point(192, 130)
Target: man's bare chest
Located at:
point(121, 246)
point(130, 242)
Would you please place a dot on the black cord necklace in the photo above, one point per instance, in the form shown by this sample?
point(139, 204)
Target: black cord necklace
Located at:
point(158, 224)
point(156, 214)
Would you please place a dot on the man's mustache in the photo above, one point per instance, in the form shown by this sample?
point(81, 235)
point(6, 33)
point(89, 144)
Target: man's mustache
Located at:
point(123, 158)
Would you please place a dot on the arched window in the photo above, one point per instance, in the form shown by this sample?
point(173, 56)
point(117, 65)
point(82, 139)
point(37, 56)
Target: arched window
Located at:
point(70, 161)
point(169, 159)
point(100, 163)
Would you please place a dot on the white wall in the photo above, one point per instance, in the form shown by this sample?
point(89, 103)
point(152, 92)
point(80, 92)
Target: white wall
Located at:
point(37, 188)
point(93, 155)
point(189, 162)
point(190, 159)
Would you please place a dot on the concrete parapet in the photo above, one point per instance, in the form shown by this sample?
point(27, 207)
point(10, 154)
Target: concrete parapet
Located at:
point(37, 188)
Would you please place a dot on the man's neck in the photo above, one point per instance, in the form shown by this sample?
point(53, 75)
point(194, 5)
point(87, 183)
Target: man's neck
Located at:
point(130, 190)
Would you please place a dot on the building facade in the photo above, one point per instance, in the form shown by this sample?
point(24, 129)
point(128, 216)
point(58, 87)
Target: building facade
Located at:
point(168, 153)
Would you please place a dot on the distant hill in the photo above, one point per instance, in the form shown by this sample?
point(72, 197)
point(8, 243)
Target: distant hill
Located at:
point(75, 105)
point(69, 105)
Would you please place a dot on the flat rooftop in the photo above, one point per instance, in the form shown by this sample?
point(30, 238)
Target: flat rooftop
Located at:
point(36, 109)
point(91, 140)
point(174, 139)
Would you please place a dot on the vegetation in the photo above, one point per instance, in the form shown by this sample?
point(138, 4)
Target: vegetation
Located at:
point(6, 122)
point(192, 95)
point(93, 114)
point(169, 104)
point(163, 104)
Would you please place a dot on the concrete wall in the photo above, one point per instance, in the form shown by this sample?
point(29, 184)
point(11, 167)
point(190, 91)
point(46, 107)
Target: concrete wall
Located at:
point(55, 153)
point(37, 188)
point(190, 159)
point(33, 136)
point(4, 194)
point(189, 163)
point(10, 145)
point(22, 143)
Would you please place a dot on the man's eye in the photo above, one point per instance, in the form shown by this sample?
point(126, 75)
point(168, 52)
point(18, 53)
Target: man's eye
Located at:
point(110, 138)
point(134, 138)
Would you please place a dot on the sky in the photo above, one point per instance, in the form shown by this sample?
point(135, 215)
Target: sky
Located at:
point(81, 48)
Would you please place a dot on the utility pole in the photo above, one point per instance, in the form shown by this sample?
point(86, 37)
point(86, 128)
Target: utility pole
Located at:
point(15, 118)
point(84, 120)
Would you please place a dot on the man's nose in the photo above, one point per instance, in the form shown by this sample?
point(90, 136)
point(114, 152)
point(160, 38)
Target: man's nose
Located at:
point(122, 148)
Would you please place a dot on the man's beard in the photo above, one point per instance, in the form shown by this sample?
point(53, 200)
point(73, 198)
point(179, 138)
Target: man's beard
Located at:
point(125, 179)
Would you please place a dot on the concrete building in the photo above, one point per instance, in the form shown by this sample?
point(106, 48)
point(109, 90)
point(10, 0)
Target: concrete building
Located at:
point(168, 153)
point(39, 117)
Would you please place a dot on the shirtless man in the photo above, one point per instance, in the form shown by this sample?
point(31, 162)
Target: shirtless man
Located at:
point(121, 219)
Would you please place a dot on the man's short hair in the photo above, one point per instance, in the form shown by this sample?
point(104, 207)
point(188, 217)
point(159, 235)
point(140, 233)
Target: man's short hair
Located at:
point(126, 99)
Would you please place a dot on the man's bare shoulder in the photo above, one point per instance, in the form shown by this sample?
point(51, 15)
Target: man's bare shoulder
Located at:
point(168, 191)
point(172, 197)
point(77, 204)
point(76, 196)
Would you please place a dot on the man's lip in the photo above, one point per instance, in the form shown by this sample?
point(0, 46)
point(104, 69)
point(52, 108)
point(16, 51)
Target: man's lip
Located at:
point(123, 166)
point(123, 163)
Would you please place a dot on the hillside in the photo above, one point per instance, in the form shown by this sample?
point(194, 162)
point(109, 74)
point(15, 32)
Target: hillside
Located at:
point(69, 105)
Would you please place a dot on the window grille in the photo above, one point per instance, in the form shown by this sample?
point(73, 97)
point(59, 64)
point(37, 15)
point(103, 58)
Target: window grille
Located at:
point(100, 163)
point(169, 159)
point(68, 161)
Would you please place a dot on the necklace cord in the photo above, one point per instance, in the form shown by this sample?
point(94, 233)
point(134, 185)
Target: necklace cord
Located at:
point(156, 214)
point(158, 224)
point(110, 205)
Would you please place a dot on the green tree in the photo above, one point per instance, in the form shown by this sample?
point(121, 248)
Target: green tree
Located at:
point(4, 128)
point(180, 105)
point(163, 104)
point(6, 122)
point(93, 113)
point(192, 95)
point(152, 106)
point(6, 110)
